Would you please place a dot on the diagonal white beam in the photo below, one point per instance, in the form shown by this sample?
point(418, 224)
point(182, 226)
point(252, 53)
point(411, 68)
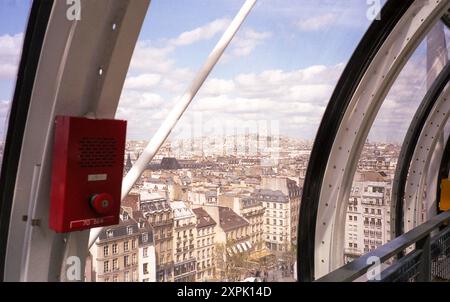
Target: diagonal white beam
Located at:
point(177, 112)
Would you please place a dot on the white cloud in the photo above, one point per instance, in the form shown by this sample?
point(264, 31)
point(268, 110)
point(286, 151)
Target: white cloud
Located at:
point(314, 82)
point(4, 111)
point(148, 58)
point(317, 22)
point(141, 101)
point(142, 111)
point(229, 104)
point(217, 87)
point(10, 50)
point(152, 59)
point(296, 99)
point(156, 80)
point(177, 80)
point(246, 41)
point(10, 46)
point(143, 81)
point(7, 70)
point(288, 97)
point(204, 32)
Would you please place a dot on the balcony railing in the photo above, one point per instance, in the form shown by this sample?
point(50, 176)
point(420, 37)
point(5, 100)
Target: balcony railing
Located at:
point(429, 261)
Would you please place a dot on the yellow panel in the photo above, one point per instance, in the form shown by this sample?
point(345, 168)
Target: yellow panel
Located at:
point(445, 195)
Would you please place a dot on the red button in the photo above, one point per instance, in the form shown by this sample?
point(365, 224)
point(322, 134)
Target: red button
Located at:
point(102, 203)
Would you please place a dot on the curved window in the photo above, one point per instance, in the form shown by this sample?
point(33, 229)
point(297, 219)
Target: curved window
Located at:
point(371, 192)
point(13, 17)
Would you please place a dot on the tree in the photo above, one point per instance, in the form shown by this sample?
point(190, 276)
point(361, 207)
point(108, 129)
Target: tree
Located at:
point(230, 266)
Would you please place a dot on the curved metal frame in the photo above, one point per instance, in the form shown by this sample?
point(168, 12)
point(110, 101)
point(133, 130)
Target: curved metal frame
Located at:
point(73, 52)
point(408, 148)
point(426, 147)
point(32, 45)
point(344, 129)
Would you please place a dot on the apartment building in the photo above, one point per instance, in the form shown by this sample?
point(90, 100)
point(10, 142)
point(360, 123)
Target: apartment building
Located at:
point(118, 249)
point(368, 214)
point(146, 252)
point(277, 219)
point(159, 215)
point(205, 248)
point(184, 236)
point(252, 210)
point(164, 185)
point(293, 192)
point(232, 235)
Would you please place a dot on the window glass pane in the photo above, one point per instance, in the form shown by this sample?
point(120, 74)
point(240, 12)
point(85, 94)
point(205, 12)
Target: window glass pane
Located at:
point(13, 18)
point(239, 153)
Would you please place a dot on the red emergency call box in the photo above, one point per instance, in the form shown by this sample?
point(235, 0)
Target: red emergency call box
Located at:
point(87, 171)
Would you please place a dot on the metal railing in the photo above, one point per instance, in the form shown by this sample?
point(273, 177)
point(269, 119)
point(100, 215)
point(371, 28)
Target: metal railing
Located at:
point(428, 261)
point(440, 256)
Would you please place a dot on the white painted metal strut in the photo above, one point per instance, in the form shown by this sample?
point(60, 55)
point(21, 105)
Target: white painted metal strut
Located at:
point(177, 112)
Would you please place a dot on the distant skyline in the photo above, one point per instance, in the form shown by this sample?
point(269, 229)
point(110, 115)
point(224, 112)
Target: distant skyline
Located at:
point(282, 137)
point(282, 66)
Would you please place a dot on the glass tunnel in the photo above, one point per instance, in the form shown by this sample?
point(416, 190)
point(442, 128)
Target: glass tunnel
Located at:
point(265, 141)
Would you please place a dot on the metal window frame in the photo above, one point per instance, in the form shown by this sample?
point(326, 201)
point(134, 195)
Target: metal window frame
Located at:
point(355, 69)
point(408, 148)
point(388, 44)
point(416, 182)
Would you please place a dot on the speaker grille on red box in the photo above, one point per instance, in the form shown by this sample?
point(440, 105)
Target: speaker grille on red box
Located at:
point(97, 152)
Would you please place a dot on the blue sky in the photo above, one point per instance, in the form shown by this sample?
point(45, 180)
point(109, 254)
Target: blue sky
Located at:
point(13, 16)
point(280, 17)
point(282, 65)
